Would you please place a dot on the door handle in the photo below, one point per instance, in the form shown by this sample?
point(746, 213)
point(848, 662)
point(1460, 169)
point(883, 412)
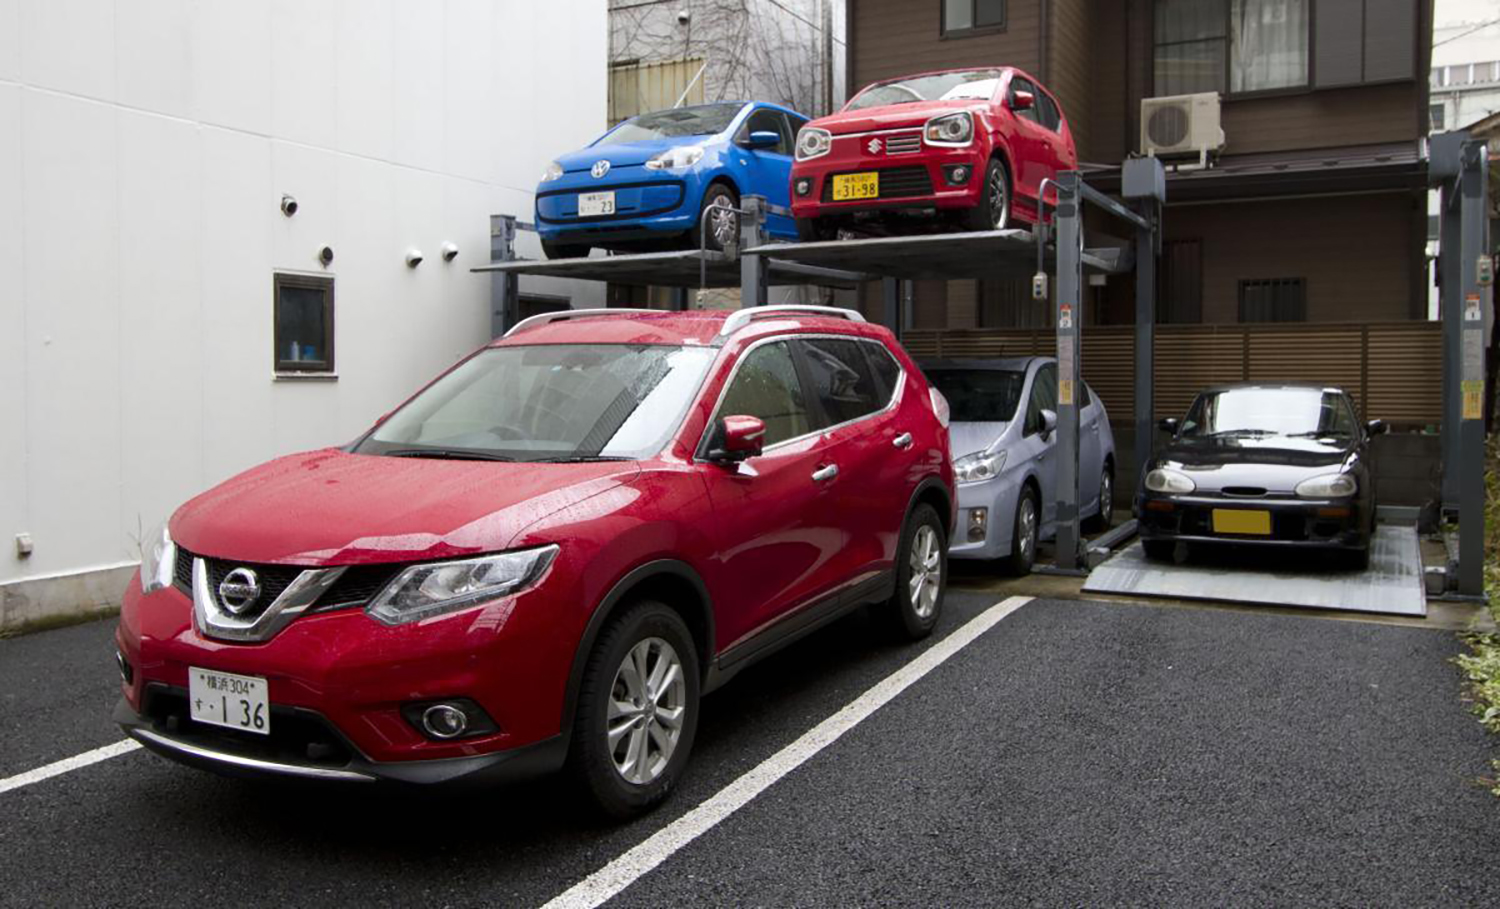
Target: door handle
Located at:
point(902, 441)
point(825, 473)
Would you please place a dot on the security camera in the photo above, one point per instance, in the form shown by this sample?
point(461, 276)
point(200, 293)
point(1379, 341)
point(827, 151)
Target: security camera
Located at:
point(450, 252)
point(325, 255)
point(288, 205)
point(684, 17)
point(413, 258)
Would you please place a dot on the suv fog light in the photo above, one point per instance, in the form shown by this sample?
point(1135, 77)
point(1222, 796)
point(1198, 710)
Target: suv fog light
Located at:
point(444, 721)
point(978, 520)
point(451, 718)
point(956, 174)
point(804, 186)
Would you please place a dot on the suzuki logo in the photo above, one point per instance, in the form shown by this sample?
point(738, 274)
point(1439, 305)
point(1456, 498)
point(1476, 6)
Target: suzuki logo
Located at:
point(874, 146)
point(599, 169)
point(239, 590)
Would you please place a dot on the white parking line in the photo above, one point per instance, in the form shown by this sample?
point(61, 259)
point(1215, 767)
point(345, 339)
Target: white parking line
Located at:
point(603, 884)
point(66, 765)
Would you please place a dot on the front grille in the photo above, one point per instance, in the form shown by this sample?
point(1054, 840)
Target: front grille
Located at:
point(274, 580)
point(895, 182)
point(1244, 492)
point(905, 144)
point(355, 587)
point(358, 585)
point(182, 571)
point(297, 735)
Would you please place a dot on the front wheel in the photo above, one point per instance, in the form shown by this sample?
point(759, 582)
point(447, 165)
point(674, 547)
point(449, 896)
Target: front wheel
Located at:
point(993, 210)
point(1104, 518)
point(921, 576)
point(1160, 550)
point(810, 230)
point(722, 226)
point(637, 711)
point(1024, 534)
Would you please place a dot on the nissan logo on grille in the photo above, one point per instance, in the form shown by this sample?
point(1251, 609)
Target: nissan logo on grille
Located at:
point(600, 168)
point(239, 590)
point(874, 146)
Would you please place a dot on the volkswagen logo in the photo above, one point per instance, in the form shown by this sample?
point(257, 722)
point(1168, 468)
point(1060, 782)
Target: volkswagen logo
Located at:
point(874, 146)
point(239, 590)
point(599, 169)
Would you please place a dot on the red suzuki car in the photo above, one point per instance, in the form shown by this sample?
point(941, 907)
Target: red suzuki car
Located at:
point(547, 555)
point(966, 148)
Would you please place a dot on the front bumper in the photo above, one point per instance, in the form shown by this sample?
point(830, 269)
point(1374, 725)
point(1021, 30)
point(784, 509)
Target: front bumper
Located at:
point(916, 180)
point(1329, 524)
point(998, 496)
point(648, 204)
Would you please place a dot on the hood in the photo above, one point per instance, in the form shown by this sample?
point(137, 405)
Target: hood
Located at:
point(623, 154)
point(893, 116)
point(1276, 463)
point(967, 438)
point(333, 508)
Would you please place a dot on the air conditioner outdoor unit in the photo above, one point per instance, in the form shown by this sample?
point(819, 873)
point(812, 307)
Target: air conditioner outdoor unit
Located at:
point(1181, 125)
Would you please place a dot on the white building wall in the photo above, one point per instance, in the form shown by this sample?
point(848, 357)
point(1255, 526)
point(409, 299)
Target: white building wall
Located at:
point(144, 149)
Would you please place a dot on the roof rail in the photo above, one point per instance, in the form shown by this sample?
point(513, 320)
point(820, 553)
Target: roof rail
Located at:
point(742, 317)
point(564, 314)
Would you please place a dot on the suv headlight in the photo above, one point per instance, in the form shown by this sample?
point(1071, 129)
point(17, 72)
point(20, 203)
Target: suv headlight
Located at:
point(1327, 486)
point(158, 560)
point(554, 171)
point(978, 467)
point(423, 591)
point(949, 129)
point(813, 142)
point(1164, 480)
point(673, 158)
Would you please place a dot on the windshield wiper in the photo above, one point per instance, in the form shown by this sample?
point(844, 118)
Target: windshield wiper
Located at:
point(1318, 435)
point(445, 454)
point(578, 459)
point(1241, 432)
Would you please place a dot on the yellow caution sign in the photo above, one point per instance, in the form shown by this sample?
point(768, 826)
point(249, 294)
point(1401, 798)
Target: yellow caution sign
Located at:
point(1065, 391)
point(1473, 392)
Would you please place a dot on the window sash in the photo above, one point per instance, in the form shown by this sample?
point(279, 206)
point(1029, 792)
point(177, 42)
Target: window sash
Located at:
point(961, 17)
point(1231, 46)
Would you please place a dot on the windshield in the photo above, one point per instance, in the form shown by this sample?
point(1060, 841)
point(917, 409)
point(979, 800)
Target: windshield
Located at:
point(1307, 412)
point(678, 123)
point(549, 402)
point(979, 395)
point(980, 83)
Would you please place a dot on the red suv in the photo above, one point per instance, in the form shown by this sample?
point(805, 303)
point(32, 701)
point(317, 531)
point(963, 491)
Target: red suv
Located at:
point(967, 145)
point(547, 555)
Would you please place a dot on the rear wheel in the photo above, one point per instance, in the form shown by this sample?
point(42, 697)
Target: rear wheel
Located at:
point(993, 210)
point(921, 576)
point(1023, 534)
point(565, 250)
point(811, 230)
point(1104, 518)
point(1160, 550)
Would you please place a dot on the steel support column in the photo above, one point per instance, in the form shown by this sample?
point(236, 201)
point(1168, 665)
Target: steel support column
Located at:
point(1450, 311)
point(890, 289)
point(753, 290)
point(505, 288)
point(1144, 184)
point(1474, 304)
point(1069, 316)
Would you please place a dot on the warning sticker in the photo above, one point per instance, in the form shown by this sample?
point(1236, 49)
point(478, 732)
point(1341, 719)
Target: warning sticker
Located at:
point(1472, 310)
point(1065, 391)
point(1473, 400)
point(1065, 315)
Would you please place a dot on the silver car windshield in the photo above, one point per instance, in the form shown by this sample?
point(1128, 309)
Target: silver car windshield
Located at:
point(979, 395)
point(979, 84)
point(1270, 412)
point(549, 402)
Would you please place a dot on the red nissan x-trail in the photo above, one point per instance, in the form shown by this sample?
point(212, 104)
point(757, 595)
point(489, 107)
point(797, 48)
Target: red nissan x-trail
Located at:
point(546, 556)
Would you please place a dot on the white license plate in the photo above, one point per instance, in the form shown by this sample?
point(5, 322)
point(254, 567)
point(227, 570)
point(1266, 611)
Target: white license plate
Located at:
point(226, 699)
point(592, 205)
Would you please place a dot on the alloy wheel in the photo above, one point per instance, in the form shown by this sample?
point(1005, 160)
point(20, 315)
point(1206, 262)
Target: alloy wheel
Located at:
point(1106, 499)
point(647, 706)
point(999, 210)
point(722, 222)
point(1026, 523)
point(926, 571)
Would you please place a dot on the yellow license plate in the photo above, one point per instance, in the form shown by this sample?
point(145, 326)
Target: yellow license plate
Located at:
point(1236, 520)
point(855, 186)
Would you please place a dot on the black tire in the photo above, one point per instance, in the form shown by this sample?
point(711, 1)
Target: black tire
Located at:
point(1359, 559)
point(717, 194)
point(565, 250)
point(1104, 517)
point(994, 209)
point(902, 615)
point(1160, 550)
point(1023, 544)
point(591, 759)
point(810, 230)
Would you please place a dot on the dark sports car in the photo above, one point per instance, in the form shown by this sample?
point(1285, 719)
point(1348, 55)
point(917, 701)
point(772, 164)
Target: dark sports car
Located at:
point(1275, 465)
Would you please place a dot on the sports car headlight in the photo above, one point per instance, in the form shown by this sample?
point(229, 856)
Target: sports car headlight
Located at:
point(423, 591)
point(158, 560)
point(978, 467)
point(1327, 486)
point(554, 171)
point(813, 142)
point(950, 129)
point(1164, 480)
point(673, 158)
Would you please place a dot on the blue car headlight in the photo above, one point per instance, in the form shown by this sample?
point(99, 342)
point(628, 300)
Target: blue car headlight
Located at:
point(554, 171)
point(675, 158)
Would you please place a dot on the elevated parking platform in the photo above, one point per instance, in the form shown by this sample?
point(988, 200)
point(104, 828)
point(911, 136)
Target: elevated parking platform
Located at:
point(681, 268)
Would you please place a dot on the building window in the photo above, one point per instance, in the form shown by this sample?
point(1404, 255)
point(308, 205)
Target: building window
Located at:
point(967, 17)
point(1179, 285)
point(1273, 300)
point(1435, 114)
point(1233, 46)
point(304, 323)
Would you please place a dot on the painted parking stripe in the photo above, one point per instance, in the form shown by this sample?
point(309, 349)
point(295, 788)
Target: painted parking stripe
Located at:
point(67, 765)
point(603, 884)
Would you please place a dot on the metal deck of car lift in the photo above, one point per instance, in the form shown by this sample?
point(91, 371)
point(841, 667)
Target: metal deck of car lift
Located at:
point(1387, 587)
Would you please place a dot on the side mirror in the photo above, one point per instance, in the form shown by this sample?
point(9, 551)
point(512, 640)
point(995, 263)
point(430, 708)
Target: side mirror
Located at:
point(1169, 424)
point(1049, 423)
point(741, 437)
point(1377, 427)
point(1022, 101)
point(761, 138)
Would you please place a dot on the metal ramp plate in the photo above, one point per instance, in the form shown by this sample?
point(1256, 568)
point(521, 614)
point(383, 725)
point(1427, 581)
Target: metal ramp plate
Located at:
point(1392, 585)
point(675, 269)
point(983, 254)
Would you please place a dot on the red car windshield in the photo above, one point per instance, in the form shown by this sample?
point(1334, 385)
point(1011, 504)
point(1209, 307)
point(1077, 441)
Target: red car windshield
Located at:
point(968, 85)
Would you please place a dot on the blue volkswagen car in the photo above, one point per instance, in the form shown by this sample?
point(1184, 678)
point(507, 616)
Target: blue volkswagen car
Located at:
point(645, 184)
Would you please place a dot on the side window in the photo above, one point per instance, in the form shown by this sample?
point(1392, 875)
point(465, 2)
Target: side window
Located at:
point(887, 370)
point(765, 385)
point(1043, 397)
point(771, 121)
point(1019, 84)
point(1086, 396)
point(1047, 107)
point(842, 379)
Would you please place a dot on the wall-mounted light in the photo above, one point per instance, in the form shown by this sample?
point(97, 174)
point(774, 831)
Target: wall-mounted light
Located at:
point(413, 258)
point(450, 252)
point(288, 205)
point(325, 255)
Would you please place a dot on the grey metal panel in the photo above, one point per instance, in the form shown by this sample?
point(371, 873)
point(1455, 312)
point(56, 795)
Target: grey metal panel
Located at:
point(1338, 42)
point(669, 269)
point(983, 254)
point(1390, 40)
point(1393, 584)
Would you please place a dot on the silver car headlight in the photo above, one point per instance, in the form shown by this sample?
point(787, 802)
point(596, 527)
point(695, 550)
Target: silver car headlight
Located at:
point(423, 591)
point(813, 142)
point(1171, 481)
point(1328, 486)
point(554, 171)
point(674, 158)
point(978, 467)
point(158, 560)
point(950, 129)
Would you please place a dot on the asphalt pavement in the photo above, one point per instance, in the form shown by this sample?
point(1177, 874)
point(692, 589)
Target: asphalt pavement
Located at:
point(1074, 753)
